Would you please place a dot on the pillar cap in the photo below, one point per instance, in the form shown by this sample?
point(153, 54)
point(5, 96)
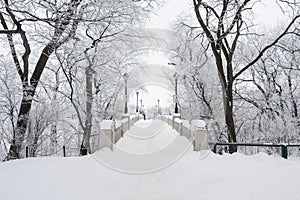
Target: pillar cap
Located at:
point(198, 124)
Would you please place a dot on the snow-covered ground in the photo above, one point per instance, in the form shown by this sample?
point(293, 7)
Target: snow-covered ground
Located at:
point(194, 175)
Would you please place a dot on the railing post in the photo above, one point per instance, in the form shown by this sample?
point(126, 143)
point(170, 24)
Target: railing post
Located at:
point(176, 115)
point(122, 129)
point(106, 134)
point(64, 151)
point(215, 148)
point(181, 130)
point(199, 135)
point(284, 151)
point(26, 151)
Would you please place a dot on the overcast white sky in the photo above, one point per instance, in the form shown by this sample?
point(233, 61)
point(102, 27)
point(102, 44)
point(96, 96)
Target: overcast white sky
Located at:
point(267, 12)
point(169, 12)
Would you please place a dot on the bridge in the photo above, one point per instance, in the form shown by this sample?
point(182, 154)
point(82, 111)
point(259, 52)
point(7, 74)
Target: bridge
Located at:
point(135, 145)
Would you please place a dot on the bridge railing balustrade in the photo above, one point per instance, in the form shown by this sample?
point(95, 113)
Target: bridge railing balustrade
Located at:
point(195, 131)
point(111, 131)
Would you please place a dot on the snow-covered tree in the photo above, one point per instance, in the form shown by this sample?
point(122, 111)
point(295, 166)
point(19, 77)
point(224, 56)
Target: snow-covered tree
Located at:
point(223, 26)
point(42, 27)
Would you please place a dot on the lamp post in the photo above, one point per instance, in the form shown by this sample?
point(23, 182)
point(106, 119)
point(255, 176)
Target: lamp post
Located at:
point(158, 106)
point(176, 96)
point(126, 76)
point(137, 102)
point(141, 103)
point(176, 80)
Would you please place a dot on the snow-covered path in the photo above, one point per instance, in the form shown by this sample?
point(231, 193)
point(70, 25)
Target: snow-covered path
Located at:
point(194, 176)
point(148, 146)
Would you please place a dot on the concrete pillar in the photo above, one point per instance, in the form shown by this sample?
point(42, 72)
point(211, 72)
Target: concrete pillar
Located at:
point(107, 134)
point(127, 116)
point(106, 139)
point(199, 135)
point(176, 115)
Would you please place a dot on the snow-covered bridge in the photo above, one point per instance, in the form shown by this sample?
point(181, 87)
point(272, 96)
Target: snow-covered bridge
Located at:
point(137, 146)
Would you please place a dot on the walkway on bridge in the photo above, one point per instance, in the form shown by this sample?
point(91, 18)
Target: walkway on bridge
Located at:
point(148, 146)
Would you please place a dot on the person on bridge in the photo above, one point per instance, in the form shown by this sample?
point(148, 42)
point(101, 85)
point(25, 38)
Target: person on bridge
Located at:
point(142, 111)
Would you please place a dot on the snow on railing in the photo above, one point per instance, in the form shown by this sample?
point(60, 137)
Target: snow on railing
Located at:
point(195, 131)
point(112, 130)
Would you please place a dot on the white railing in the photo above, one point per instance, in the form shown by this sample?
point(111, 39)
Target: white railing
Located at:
point(195, 131)
point(111, 131)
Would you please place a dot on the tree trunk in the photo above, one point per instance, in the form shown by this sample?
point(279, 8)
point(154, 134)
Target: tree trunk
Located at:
point(53, 133)
point(28, 94)
point(22, 122)
point(228, 106)
point(53, 137)
point(85, 147)
point(228, 111)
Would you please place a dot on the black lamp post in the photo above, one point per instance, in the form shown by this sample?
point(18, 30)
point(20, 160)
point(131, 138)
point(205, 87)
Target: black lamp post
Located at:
point(176, 95)
point(137, 102)
point(176, 80)
point(126, 76)
point(158, 106)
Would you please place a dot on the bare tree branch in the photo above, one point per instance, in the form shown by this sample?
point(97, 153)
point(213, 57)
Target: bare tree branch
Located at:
point(261, 53)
